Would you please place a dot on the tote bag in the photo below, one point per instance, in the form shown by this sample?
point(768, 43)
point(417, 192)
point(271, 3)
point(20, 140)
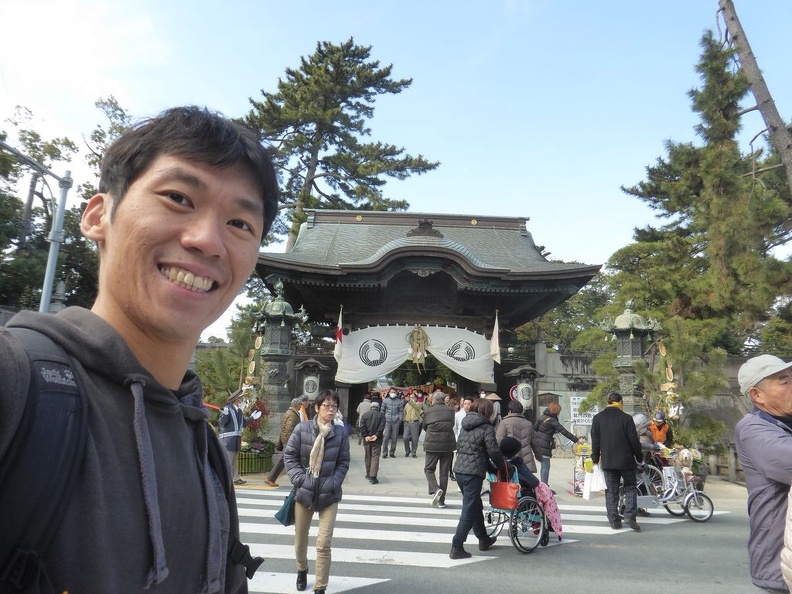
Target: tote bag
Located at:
point(285, 515)
point(504, 494)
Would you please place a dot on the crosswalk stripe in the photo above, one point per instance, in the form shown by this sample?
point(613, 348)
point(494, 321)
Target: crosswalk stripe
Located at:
point(283, 583)
point(352, 533)
point(370, 556)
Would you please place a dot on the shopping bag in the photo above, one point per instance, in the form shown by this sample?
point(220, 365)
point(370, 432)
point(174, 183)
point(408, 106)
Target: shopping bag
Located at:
point(598, 478)
point(587, 485)
point(285, 515)
point(594, 482)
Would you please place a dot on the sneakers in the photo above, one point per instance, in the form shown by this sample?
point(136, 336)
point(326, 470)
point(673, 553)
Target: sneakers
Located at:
point(271, 483)
point(487, 543)
point(459, 553)
point(436, 498)
point(633, 524)
point(441, 505)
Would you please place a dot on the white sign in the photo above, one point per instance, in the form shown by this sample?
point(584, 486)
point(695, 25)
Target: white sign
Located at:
point(579, 418)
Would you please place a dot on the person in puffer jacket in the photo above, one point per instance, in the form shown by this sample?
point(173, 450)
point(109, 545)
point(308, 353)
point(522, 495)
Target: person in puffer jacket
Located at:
point(477, 449)
point(317, 461)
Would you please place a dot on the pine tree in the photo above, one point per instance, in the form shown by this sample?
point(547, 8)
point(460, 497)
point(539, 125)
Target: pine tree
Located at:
point(317, 121)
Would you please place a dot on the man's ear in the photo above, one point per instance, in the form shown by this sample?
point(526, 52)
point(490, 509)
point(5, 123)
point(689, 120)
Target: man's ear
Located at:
point(96, 217)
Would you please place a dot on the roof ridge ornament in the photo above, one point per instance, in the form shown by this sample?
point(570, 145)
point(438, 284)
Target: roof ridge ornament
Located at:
point(424, 229)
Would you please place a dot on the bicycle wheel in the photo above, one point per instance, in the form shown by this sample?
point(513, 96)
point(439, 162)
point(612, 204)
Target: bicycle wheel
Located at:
point(527, 525)
point(673, 505)
point(494, 519)
point(699, 506)
point(650, 481)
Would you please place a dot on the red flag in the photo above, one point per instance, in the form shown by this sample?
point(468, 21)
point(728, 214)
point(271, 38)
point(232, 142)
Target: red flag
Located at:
point(338, 336)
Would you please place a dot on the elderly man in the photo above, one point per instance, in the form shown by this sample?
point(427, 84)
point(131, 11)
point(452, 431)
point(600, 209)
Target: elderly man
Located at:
point(439, 445)
point(289, 421)
point(764, 446)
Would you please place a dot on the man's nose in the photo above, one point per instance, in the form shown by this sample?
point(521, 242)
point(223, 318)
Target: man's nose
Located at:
point(206, 235)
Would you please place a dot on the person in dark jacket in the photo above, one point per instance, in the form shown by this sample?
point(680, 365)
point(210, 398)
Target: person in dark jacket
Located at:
point(510, 448)
point(439, 445)
point(615, 446)
point(372, 426)
point(317, 460)
point(475, 448)
point(184, 201)
point(544, 432)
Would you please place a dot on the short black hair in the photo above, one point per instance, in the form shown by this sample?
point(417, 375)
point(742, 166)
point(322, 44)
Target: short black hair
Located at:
point(195, 134)
point(614, 397)
point(514, 407)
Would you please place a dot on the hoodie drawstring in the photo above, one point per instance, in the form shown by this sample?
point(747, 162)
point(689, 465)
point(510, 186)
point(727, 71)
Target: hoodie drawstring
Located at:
point(159, 569)
point(214, 553)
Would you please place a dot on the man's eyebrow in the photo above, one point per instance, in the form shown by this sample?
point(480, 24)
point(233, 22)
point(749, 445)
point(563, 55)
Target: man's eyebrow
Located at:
point(180, 174)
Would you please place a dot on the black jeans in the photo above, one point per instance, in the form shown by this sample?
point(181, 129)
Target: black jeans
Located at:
point(472, 516)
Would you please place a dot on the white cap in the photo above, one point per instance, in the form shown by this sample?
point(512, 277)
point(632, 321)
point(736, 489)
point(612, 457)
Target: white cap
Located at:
point(758, 368)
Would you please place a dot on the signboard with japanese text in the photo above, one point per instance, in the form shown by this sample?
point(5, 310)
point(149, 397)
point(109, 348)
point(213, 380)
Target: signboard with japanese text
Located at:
point(579, 418)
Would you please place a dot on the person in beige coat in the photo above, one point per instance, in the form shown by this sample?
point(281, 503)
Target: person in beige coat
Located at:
point(515, 425)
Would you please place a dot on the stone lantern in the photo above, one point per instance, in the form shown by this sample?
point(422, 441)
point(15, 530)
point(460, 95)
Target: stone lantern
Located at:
point(276, 321)
point(632, 333)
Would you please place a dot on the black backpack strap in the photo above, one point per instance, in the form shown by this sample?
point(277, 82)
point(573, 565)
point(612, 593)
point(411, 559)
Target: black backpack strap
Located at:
point(39, 470)
point(238, 553)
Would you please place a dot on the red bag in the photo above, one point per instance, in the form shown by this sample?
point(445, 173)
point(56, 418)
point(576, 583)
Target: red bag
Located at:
point(504, 494)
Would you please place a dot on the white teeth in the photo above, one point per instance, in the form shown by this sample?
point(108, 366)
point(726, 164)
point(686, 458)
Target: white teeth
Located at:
point(188, 280)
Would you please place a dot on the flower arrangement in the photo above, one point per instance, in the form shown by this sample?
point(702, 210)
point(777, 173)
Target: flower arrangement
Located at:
point(254, 435)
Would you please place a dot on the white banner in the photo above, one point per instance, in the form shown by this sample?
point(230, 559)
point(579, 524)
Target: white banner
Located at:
point(372, 352)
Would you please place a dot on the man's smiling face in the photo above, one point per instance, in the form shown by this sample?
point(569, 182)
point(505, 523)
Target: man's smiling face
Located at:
point(176, 250)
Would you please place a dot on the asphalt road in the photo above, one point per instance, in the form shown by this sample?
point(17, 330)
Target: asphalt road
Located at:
point(388, 539)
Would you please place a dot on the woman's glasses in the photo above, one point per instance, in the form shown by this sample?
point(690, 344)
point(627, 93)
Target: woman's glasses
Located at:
point(330, 406)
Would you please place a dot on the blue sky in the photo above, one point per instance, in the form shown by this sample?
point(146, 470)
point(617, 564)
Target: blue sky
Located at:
point(536, 108)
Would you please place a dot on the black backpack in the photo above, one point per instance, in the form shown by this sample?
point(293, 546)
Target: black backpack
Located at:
point(45, 457)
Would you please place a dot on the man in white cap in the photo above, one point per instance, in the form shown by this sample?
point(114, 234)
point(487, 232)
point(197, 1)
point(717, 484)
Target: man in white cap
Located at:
point(231, 423)
point(764, 446)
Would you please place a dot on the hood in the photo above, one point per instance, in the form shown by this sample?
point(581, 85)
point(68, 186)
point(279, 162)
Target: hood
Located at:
point(101, 351)
point(473, 420)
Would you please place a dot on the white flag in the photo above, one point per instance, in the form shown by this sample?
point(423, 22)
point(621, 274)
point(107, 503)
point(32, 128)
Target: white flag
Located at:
point(339, 334)
point(495, 342)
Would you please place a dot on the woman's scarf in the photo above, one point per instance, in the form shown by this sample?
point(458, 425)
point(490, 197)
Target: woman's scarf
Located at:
point(317, 451)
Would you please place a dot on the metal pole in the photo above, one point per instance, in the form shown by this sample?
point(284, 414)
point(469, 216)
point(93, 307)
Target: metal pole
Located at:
point(25, 230)
point(56, 237)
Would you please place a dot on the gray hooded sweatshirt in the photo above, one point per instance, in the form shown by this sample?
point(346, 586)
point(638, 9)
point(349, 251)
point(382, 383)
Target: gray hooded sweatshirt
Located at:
point(147, 512)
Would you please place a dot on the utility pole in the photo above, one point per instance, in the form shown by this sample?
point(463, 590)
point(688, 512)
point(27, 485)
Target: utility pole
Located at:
point(56, 233)
point(780, 137)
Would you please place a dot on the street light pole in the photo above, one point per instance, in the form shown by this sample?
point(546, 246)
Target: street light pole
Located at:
point(55, 238)
point(56, 234)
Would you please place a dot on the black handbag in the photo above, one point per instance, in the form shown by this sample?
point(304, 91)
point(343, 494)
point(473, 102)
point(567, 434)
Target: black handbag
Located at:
point(285, 515)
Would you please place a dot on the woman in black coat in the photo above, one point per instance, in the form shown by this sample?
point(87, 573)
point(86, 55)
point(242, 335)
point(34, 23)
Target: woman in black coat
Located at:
point(476, 446)
point(544, 432)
